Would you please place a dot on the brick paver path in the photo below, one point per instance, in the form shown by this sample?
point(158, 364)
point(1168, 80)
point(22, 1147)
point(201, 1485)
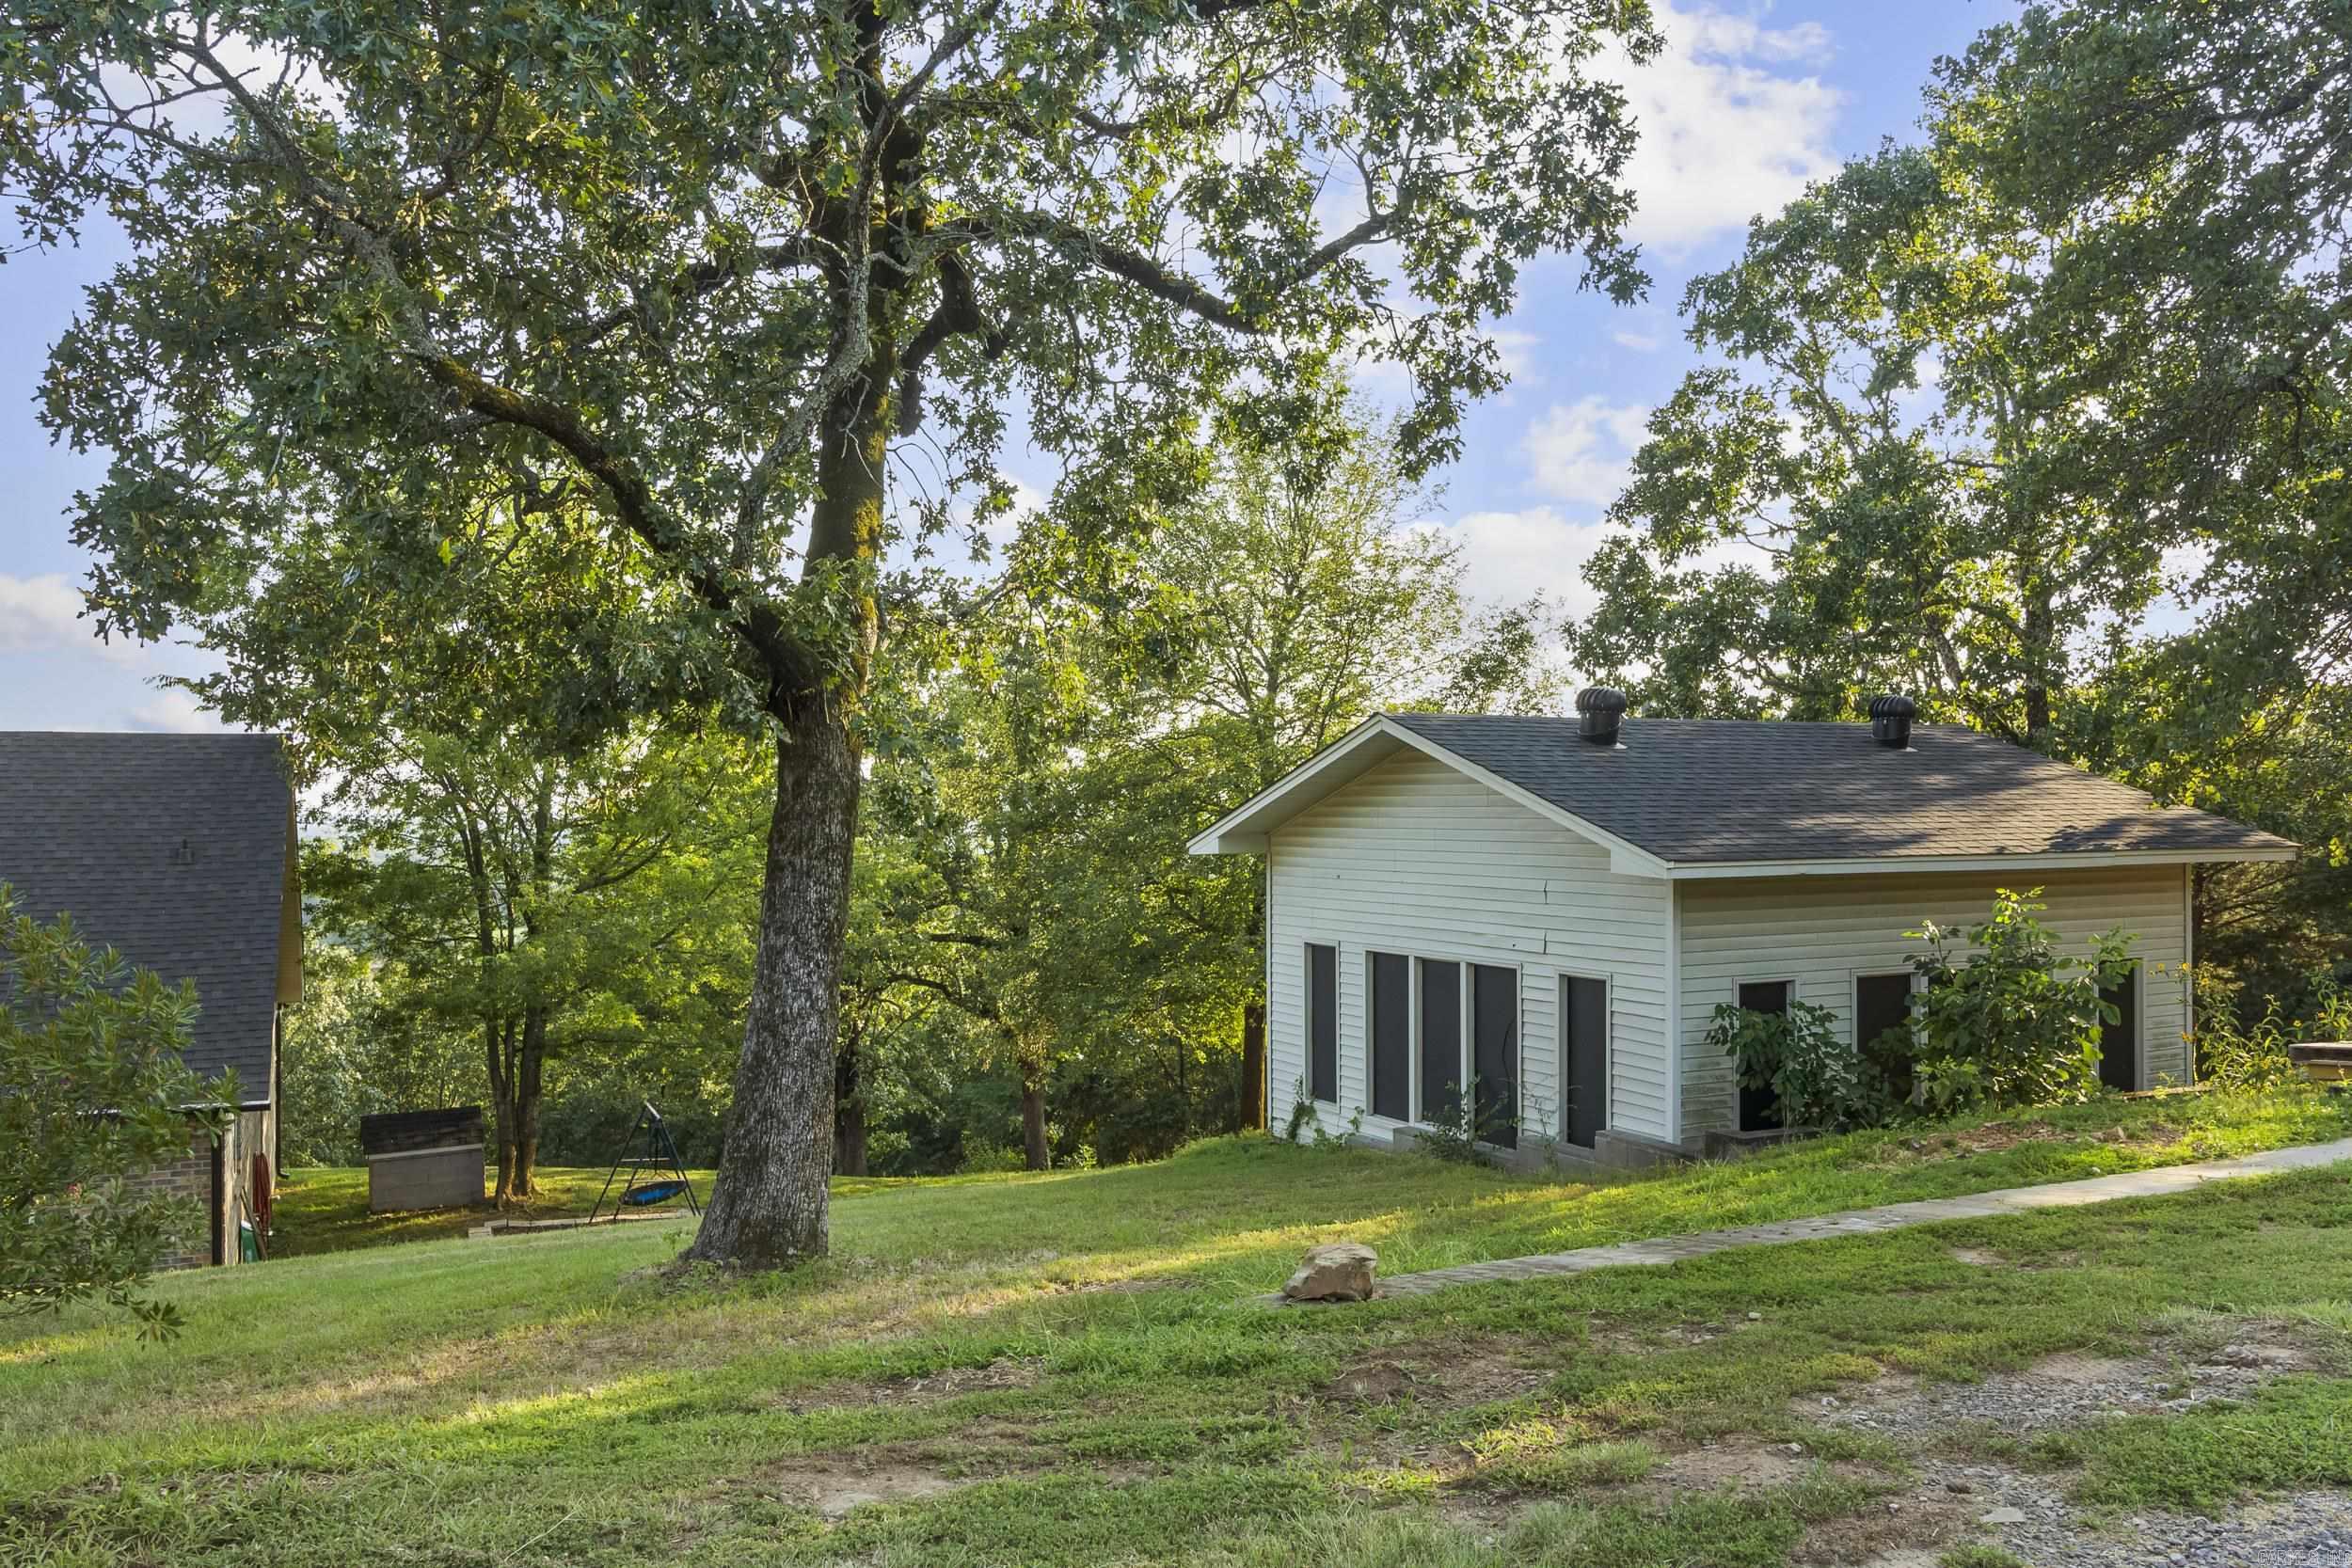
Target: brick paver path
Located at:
point(1865, 1222)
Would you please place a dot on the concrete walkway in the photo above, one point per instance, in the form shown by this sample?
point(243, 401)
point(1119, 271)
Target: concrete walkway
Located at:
point(1866, 1221)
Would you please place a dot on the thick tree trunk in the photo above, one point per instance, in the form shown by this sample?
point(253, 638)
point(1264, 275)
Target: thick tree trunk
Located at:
point(2040, 650)
point(1036, 1152)
point(848, 1109)
point(526, 1100)
point(497, 1041)
point(769, 1205)
point(1253, 1065)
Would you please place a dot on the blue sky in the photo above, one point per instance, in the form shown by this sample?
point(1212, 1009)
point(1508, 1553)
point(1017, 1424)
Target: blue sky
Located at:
point(1748, 104)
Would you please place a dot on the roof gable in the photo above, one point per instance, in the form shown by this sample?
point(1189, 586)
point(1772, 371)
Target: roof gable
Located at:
point(1699, 797)
point(178, 850)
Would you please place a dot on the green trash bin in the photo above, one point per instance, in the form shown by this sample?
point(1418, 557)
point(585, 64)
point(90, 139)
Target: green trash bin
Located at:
point(248, 1245)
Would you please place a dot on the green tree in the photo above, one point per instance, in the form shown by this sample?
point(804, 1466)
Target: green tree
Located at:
point(1114, 707)
point(1907, 483)
point(696, 270)
point(93, 1094)
point(353, 1047)
point(2002, 409)
point(2192, 162)
point(548, 905)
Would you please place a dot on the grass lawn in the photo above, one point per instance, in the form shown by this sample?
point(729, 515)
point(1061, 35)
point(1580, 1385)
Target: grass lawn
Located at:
point(324, 1208)
point(1060, 1369)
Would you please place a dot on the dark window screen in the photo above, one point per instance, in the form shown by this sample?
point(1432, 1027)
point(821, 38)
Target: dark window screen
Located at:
point(1759, 1107)
point(1441, 1036)
point(1323, 1023)
point(1495, 1039)
point(2118, 1043)
point(1392, 1035)
point(1584, 1006)
point(1881, 1007)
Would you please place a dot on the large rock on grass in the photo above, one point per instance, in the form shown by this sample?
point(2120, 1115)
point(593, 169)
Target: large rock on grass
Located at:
point(1337, 1270)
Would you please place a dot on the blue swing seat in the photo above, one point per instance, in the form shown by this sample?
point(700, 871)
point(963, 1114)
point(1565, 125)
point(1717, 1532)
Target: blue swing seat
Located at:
point(649, 1193)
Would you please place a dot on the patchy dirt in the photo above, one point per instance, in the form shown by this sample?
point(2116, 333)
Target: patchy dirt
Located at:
point(1444, 1374)
point(1981, 1258)
point(1738, 1462)
point(950, 1383)
point(833, 1484)
point(1113, 1287)
point(1893, 1532)
point(1964, 1478)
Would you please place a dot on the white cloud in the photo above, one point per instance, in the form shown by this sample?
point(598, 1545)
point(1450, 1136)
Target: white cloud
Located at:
point(1580, 451)
point(1508, 555)
point(1516, 351)
point(43, 614)
point(1723, 136)
point(175, 712)
point(1640, 342)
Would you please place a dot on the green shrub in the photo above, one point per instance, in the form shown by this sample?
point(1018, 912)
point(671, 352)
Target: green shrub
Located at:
point(1800, 1056)
point(2234, 1054)
point(92, 1094)
point(2018, 1024)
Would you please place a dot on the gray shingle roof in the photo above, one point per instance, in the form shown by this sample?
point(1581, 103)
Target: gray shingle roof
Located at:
point(1698, 791)
point(91, 825)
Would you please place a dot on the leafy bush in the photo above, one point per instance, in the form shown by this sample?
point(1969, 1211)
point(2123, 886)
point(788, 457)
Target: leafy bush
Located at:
point(1456, 1130)
point(1799, 1056)
point(92, 1094)
point(2018, 1024)
point(2234, 1054)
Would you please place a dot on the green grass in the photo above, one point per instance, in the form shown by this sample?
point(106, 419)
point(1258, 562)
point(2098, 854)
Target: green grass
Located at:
point(1061, 1369)
point(326, 1209)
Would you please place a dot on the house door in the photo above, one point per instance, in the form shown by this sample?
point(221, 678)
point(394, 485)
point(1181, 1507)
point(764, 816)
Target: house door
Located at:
point(1759, 1108)
point(2118, 1043)
point(1495, 1039)
point(1583, 1058)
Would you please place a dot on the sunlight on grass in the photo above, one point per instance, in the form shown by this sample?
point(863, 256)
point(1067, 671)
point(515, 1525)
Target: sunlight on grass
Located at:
point(1075, 1351)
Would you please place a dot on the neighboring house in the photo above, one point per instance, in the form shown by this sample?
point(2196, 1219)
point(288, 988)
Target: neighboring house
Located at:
point(179, 850)
point(1558, 905)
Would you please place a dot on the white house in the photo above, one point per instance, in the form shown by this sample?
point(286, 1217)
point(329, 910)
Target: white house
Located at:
point(1555, 906)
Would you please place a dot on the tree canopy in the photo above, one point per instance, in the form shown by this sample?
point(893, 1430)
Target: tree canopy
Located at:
point(701, 272)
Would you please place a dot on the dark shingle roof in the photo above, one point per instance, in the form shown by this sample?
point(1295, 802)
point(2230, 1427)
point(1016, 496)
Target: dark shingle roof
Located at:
point(91, 825)
point(1695, 791)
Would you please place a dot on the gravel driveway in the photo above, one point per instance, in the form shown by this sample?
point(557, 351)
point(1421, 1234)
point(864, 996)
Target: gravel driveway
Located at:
point(2029, 1513)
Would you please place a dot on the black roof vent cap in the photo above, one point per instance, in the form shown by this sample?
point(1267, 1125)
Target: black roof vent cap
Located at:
point(1599, 710)
point(1890, 721)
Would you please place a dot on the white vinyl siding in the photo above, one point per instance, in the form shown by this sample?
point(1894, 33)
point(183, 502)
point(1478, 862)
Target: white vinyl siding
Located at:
point(1417, 858)
point(1820, 932)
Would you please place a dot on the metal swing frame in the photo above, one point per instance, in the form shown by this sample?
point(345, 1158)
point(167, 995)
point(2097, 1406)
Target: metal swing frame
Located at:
point(659, 1152)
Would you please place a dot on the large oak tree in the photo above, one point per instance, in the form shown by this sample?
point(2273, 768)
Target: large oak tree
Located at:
point(709, 267)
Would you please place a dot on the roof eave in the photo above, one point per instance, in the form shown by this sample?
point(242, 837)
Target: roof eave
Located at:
point(2057, 860)
point(1245, 829)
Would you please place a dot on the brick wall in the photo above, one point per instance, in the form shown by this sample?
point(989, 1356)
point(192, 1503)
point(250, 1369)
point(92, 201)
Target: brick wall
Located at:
point(248, 1133)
